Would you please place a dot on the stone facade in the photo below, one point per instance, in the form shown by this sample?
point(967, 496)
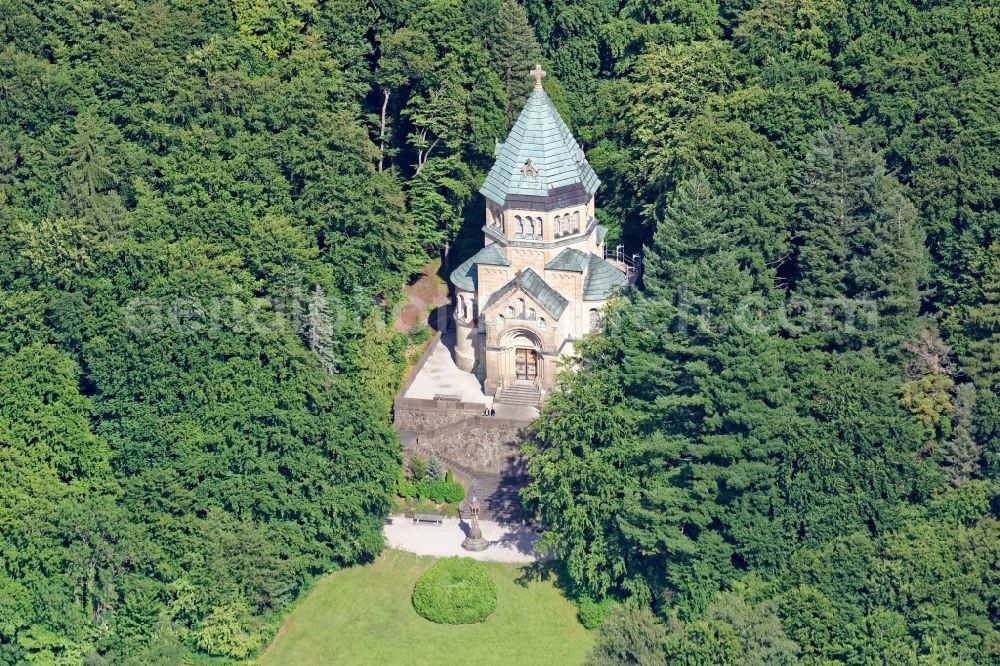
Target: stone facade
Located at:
point(542, 278)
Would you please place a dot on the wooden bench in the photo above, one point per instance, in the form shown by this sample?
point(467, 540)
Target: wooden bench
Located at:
point(427, 518)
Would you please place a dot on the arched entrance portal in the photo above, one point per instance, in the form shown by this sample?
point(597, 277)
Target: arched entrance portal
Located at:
point(521, 356)
point(525, 363)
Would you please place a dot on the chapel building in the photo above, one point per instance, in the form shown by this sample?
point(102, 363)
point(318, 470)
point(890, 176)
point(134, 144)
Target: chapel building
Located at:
point(542, 278)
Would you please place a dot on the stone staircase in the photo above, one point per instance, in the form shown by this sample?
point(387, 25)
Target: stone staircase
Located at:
point(499, 493)
point(500, 496)
point(521, 394)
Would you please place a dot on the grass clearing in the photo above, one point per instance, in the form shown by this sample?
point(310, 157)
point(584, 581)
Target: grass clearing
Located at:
point(363, 615)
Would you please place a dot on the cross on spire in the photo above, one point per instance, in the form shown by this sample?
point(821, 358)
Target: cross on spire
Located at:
point(538, 73)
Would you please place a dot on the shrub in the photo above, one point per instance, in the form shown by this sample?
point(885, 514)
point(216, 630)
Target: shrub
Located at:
point(420, 333)
point(441, 491)
point(456, 590)
point(418, 468)
point(449, 477)
point(454, 492)
point(592, 612)
point(405, 488)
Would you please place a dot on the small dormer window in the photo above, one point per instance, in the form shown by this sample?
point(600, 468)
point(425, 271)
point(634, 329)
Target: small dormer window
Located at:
point(529, 169)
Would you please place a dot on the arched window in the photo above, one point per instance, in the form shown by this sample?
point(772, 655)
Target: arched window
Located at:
point(531, 313)
point(520, 307)
point(500, 321)
point(576, 221)
point(518, 225)
point(541, 322)
point(529, 226)
point(538, 228)
point(557, 225)
point(510, 311)
point(595, 319)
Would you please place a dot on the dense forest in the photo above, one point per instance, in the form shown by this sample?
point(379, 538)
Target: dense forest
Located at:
point(785, 447)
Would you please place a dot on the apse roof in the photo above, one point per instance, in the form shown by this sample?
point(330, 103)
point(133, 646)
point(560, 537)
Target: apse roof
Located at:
point(466, 276)
point(602, 279)
point(569, 259)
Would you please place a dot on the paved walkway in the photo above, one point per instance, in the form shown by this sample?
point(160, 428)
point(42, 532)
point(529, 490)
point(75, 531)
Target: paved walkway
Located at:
point(440, 375)
point(508, 543)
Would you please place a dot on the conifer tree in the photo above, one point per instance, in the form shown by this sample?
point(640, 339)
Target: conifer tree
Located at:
point(376, 359)
point(319, 330)
point(513, 51)
point(859, 245)
point(435, 470)
point(982, 358)
point(690, 269)
point(418, 468)
point(689, 229)
point(962, 453)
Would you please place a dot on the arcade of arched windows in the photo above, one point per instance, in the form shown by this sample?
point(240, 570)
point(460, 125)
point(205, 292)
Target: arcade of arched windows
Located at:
point(519, 310)
point(567, 223)
point(528, 227)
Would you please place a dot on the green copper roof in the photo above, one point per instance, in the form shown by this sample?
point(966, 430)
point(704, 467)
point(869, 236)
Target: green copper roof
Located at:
point(569, 259)
point(556, 160)
point(534, 286)
point(602, 233)
point(465, 276)
point(550, 299)
point(602, 279)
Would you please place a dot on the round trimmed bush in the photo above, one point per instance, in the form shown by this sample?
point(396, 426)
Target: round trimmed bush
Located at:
point(455, 590)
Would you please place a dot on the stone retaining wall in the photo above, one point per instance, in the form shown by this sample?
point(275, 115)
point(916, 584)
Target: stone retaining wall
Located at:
point(419, 415)
point(456, 431)
point(491, 450)
point(477, 443)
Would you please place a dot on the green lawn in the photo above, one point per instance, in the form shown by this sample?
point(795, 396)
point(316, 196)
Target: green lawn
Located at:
point(363, 615)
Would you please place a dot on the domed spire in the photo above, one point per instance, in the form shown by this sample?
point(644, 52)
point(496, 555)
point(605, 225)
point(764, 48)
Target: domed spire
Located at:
point(540, 160)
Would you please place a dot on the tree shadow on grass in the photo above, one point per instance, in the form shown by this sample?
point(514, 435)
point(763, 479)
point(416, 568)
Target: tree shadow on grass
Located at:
point(541, 571)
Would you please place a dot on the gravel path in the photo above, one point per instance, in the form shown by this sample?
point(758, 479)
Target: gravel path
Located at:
point(508, 543)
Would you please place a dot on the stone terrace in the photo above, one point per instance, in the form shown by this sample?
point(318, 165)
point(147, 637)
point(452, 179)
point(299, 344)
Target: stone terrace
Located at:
point(439, 412)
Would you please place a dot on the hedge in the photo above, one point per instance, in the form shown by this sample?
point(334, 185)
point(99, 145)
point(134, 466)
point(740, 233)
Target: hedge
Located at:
point(451, 492)
point(455, 590)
